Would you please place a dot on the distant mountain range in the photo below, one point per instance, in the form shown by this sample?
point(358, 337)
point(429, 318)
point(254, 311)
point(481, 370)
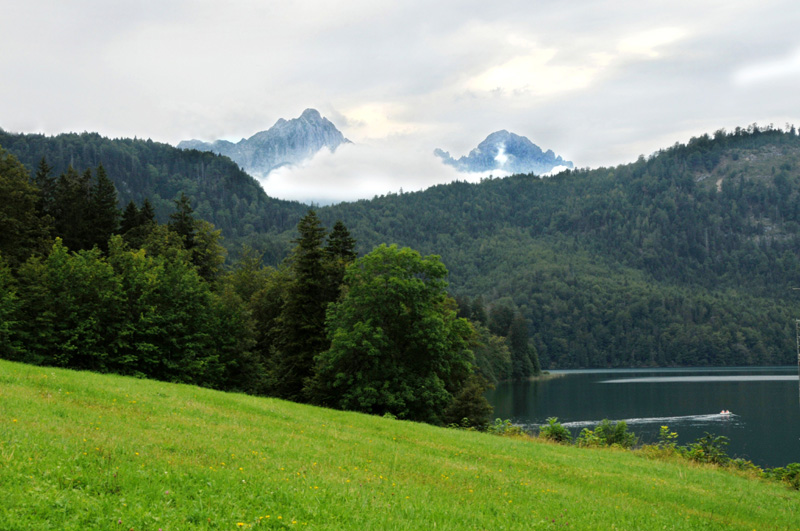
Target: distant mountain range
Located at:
point(288, 142)
point(507, 152)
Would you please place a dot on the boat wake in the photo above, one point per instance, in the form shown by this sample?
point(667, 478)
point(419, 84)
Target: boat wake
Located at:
point(691, 420)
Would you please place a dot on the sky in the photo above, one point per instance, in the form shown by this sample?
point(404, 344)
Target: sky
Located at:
point(599, 83)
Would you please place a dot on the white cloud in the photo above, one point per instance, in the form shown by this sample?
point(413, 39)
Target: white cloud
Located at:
point(594, 81)
point(360, 171)
point(783, 68)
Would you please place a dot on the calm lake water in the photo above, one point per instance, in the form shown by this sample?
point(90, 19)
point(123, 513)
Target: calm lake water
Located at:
point(764, 425)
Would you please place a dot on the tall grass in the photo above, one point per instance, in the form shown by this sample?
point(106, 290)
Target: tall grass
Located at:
point(87, 451)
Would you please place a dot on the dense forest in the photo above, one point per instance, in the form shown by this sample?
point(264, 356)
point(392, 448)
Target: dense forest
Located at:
point(221, 193)
point(684, 257)
point(87, 286)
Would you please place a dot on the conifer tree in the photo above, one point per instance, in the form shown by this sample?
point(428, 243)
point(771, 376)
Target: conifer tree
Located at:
point(302, 319)
point(24, 230)
point(103, 213)
point(130, 218)
point(182, 221)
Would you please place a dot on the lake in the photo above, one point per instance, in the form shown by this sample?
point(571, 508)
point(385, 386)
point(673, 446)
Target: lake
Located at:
point(764, 425)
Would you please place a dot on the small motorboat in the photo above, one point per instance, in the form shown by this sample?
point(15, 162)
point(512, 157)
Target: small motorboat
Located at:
point(725, 413)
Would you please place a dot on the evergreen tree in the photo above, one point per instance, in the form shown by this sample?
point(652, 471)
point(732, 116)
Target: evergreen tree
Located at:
point(24, 229)
point(103, 212)
point(130, 218)
point(47, 186)
point(71, 209)
point(146, 214)
point(182, 221)
point(340, 251)
point(302, 319)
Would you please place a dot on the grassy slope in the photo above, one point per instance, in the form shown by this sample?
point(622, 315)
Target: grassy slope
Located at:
point(86, 451)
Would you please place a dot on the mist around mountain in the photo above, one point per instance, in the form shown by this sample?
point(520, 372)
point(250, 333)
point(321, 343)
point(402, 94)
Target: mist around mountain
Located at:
point(288, 142)
point(508, 153)
point(685, 257)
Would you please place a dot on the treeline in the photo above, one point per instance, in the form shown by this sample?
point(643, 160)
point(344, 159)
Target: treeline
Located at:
point(377, 334)
point(682, 258)
point(221, 193)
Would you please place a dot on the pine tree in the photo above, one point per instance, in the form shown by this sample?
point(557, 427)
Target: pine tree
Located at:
point(103, 214)
point(130, 218)
point(302, 319)
point(47, 186)
point(182, 221)
point(71, 208)
point(339, 253)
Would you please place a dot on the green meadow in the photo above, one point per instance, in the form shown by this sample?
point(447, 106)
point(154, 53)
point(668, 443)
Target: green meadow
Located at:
point(87, 451)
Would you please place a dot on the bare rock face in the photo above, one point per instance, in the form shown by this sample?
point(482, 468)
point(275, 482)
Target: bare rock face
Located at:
point(508, 152)
point(288, 142)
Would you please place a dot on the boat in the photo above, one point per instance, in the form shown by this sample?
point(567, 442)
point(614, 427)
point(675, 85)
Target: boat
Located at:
point(725, 413)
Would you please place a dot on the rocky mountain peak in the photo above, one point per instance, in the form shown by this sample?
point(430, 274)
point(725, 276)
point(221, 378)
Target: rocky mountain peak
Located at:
point(288, 142)
point(507, 152)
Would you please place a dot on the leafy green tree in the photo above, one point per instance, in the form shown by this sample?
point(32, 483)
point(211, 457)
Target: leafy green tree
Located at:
point(69, 315)
point(492, 356)
point(397, 345)
point(522, 353)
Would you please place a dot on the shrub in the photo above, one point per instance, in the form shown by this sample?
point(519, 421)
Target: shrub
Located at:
point(588, 439)
point(505, 428)
point(554, 431)
point(615, 433)
point(667, 439)
point(789, 474)
point(708, 449)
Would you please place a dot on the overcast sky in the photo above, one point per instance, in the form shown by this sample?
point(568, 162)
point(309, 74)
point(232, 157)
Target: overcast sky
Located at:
point(599, 83)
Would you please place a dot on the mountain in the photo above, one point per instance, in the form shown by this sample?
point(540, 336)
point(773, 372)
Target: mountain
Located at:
point(506, 152)
point(685, 257)
point(288, 142)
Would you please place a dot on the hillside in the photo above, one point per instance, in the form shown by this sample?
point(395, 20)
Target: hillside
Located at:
point(87, 451)
point(685, 257)
point(220, 191)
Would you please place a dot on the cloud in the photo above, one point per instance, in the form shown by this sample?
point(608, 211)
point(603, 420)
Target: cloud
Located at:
point(360, 171)
point(780, 69)
point(597, 82)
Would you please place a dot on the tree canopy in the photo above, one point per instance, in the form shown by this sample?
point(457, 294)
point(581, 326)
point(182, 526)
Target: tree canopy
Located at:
point(397, 345)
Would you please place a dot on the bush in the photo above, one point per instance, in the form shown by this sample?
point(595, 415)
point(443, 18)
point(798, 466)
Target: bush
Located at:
point(505, 428)
point(554, 431)
point(588, 439)
point(607, 433)
point(612, 433)
point(708, 449)
point(789, 474)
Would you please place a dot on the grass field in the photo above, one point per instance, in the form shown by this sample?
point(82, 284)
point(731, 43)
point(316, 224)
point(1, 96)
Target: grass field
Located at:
point(87, 451)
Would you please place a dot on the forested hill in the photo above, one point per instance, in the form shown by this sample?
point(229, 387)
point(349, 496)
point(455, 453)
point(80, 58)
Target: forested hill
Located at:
point(220, 191)
point(686, 257)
